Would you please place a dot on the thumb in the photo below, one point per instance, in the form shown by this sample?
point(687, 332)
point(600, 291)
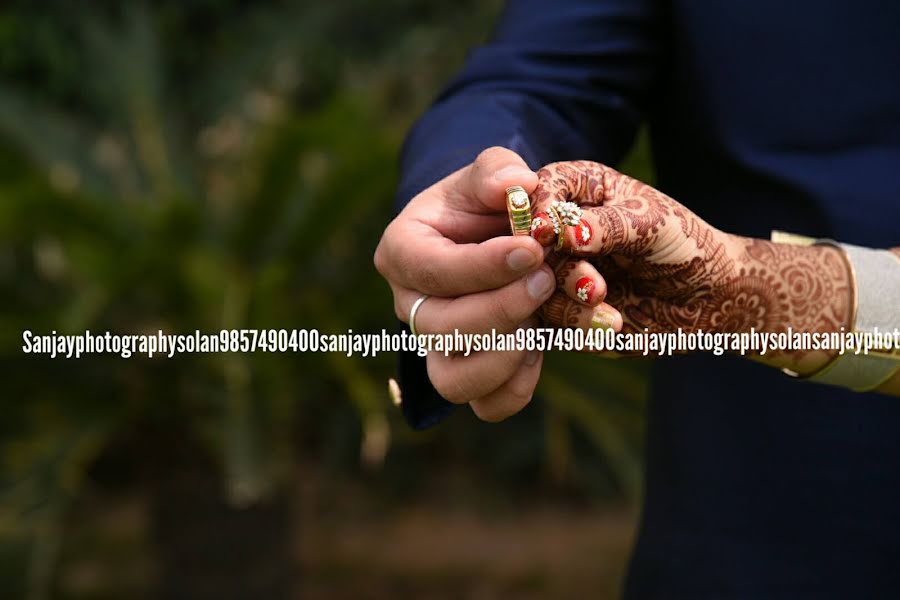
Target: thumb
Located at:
point(482, 185)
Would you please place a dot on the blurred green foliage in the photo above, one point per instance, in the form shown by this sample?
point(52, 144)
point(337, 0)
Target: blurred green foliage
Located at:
point(227, 164)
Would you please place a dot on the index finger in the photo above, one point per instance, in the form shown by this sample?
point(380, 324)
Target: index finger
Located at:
point(419, 258)
point(583, 182)
point(580, 181)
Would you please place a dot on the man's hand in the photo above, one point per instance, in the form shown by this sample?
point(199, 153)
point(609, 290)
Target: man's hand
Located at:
point(453, 243)
point(665, 268)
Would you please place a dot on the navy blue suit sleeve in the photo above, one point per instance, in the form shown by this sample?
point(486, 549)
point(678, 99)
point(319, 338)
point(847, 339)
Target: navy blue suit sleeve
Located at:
point(557, 81)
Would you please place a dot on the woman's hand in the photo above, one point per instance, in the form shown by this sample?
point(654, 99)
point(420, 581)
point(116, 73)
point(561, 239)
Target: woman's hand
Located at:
point(664, 268)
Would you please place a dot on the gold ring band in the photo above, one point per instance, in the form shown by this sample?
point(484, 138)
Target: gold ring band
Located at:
point(559, 227)
point(566, 214)
point(519, 208)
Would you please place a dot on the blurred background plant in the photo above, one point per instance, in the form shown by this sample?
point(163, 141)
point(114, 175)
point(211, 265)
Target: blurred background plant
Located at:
point(219, 164)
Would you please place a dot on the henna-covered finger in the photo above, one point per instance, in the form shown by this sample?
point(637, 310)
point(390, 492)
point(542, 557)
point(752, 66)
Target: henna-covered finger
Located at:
point(543, 228)
point(600, 231)
point(583, 182)
point(639, 223)
point(555, 260)
point(581, 281)
point(619, 214)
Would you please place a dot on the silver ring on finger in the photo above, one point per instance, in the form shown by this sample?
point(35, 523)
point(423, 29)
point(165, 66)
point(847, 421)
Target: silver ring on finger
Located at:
point(413, 311)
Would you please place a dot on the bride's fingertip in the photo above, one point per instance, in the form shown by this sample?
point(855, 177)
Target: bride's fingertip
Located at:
point(606, 317)
point(581, 281)
point(585, 290)
point(583, 234)
point(542, 229)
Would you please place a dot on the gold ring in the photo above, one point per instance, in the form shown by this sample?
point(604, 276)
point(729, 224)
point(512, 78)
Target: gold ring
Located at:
point(519, 208)
point(413, 311)
point(565, 214)
point(558, 225)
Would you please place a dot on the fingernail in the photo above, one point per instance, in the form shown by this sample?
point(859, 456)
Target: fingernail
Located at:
point(521, 259)
point(532, 357)
point(584, 289)
point(583, 233)
point(540, 284)
point(603, 319)
point(512, 172)
point(542, 229)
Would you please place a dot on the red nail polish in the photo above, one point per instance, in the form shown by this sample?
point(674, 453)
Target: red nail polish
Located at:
point(583, 233)
point(584, 289)
point(542, 228)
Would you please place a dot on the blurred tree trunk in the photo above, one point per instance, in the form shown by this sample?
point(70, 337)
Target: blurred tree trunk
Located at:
point(206, 548)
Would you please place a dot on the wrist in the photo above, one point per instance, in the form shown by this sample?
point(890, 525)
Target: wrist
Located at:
point(876, 281)
point(840, 310)
point(805, 289)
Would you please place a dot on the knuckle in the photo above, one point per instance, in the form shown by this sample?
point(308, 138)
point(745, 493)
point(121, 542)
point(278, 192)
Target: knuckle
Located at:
point(386, 253)
point(426, 274)
point(545, 190)
point(408, 268)
point(610, 181)
point(379, 259)
point(451, 387)
point(551, 168)
point(490, 155)
point(497, 408)
point(509, 399)
point(520, 392)
point(614, 223)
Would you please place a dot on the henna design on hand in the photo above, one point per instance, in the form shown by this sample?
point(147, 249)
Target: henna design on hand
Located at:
point(666, 268)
